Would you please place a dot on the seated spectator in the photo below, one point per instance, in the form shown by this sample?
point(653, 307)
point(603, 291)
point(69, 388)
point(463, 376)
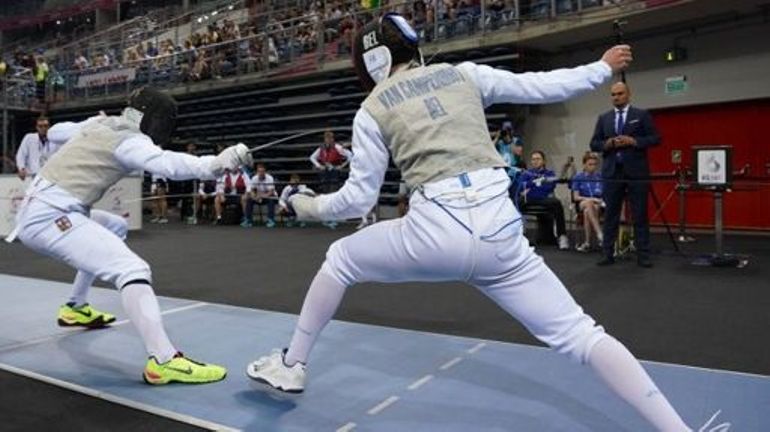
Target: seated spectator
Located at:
point(158, 189)
point(207, 192)
point(539, 9)
point(151, 51)
point(538, 186)
point(261, 191)
point(81, 62)
point(294, 187)
point(200, 69)
point(231, 188)
point(587, 195)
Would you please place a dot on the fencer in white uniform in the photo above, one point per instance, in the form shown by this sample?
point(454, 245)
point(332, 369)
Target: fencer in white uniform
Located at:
point(56, 218)
point(461, 224)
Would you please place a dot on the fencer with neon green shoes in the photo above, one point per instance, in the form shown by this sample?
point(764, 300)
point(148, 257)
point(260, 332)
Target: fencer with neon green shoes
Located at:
point(83, 316)
point(182, 370)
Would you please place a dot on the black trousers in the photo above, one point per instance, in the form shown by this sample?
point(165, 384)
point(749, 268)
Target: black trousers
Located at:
point(554, 208)
point(616, 189)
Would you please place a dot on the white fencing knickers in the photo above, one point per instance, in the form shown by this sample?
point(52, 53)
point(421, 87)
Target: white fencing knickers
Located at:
point(465, 228)
point(94, 246)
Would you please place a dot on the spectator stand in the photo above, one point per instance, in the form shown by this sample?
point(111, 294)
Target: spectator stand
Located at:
point(285, 43)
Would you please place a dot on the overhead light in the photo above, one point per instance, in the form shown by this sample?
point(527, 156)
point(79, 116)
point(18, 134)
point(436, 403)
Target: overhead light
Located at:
point(214, 13)
point(231, 7)
point(200, 20)
point(58, 22)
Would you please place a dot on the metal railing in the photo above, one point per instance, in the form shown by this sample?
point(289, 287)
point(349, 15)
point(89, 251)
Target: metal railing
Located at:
point(301, 45)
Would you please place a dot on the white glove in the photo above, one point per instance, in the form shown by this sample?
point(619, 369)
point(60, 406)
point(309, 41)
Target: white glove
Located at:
point(231, 158)
point(539, 181)
point(306, 207)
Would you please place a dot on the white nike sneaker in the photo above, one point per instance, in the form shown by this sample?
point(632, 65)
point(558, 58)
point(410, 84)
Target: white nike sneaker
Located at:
point(272, 371)
point(563, 242)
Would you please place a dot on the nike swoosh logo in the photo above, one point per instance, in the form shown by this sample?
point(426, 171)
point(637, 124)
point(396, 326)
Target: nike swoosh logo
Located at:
point(86, 314)
point(187, 371)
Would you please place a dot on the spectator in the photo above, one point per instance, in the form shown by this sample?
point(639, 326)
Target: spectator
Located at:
point(207, 192)
point(261, 191)
point(587, 195)
point(151, 51)
point(200, 70)
point(329, 158)
point(41, 76)
point(81, 62)
point(159, 189)
point(292, 188)
point(623, 135)
point(231, 188)
point(538, 184)
point(35, 150)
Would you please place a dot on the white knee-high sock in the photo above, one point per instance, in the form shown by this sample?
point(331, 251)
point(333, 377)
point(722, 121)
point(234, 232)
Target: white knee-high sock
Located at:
point(80, 287)
point(142, 308)
point(622, 373)
point(321, 301)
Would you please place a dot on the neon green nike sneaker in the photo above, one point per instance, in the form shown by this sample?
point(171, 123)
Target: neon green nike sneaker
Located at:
point(83, 316)
point(182, 369)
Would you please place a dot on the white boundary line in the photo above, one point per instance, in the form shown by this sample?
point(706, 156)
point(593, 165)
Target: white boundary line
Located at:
point(419, 383)
point(77, 331)
point(476, 348)
point(382, 405)
point(118, 400)
point(347, 427)
point(166, 312)
point(450, 363)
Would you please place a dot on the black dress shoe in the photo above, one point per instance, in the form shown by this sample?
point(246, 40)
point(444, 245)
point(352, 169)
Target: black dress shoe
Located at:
point(644, 262)
point(606, 261)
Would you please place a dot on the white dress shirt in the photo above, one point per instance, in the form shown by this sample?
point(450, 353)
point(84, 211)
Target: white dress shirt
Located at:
point(34, 152)
point(618, 112)
point(264, 187)
point(370, 152)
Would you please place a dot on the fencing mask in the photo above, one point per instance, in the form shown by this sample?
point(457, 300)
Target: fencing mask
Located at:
point(382, 44)
point(159, 112)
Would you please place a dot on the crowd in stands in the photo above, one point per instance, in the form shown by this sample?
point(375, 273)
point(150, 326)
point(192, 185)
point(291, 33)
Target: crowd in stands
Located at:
point(220, 48)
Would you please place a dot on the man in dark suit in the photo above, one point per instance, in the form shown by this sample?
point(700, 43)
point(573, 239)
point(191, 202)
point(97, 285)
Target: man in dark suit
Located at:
point(623, 136)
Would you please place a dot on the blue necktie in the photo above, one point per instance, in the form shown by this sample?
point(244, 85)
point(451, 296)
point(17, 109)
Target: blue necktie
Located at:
point(619, 124)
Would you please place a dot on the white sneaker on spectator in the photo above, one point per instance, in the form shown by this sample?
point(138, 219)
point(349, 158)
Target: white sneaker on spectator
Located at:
point(563, 242)
point(272, 371)
point(583, 247)
point(154, 220)
point(162, 221)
